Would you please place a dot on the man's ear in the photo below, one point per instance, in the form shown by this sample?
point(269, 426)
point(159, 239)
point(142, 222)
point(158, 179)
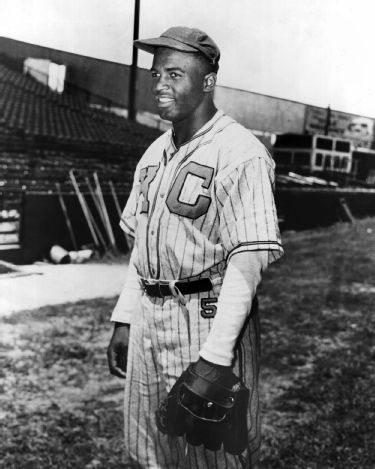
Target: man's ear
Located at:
point(209, 82)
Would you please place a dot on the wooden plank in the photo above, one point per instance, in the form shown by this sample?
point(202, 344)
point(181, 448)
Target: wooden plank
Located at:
point(66, 216)
point(104, 210)
point(346, 210)
point(85, 209)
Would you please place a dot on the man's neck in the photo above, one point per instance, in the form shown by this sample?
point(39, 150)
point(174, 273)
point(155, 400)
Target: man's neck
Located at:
point(184, 130)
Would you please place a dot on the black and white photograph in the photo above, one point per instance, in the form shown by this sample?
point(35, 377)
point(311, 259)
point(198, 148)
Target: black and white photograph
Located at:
point(187, 234)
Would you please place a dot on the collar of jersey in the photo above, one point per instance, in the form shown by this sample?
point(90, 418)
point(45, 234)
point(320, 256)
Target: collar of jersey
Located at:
point(203, 130)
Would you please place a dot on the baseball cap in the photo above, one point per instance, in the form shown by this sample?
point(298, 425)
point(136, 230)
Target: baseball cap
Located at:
point(183, 39)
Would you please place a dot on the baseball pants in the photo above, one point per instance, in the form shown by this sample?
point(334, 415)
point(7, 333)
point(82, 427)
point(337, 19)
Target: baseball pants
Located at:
point(163, 342)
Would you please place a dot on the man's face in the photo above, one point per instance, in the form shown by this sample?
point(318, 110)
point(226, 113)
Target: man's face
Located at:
point(178, 82)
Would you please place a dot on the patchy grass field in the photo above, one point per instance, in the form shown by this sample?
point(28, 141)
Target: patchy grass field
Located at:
point(59, 408)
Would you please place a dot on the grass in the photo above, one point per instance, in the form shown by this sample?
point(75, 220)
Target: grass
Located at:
point(60, 408)
point(318, 350)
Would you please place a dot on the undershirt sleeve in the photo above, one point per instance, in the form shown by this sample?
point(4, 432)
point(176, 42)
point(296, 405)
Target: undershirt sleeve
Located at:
point(129, 300)
point(241, 279)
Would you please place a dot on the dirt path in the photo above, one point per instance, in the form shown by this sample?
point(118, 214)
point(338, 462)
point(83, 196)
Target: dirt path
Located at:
point(43, 284)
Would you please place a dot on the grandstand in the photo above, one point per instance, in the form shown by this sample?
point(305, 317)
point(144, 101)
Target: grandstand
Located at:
point(44, 134)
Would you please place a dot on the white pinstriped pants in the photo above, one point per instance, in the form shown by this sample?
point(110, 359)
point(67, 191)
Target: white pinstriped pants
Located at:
point(159, 352)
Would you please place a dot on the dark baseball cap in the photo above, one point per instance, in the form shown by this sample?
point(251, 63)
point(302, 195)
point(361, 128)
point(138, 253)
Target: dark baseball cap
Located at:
point(185, 40)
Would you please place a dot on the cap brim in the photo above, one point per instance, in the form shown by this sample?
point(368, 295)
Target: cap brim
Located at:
point(150, 45)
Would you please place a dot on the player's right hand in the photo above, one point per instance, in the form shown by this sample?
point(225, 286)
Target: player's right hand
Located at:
point(117, 351)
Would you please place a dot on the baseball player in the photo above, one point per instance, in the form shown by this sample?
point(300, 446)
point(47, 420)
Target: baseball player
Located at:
point(204, 224)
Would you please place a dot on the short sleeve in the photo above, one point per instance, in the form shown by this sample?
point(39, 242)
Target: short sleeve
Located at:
point(248, 217)
point(128, 217)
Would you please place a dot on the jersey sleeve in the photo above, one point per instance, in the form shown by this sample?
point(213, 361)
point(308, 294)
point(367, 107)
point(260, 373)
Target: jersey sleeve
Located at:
point(247, 211)
point(128, 217)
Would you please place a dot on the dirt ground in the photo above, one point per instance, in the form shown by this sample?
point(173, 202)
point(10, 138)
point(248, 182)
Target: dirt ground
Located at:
point(43, 283)
point(59, 407)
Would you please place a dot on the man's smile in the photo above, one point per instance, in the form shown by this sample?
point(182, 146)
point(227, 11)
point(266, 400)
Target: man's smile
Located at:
point(164, 101)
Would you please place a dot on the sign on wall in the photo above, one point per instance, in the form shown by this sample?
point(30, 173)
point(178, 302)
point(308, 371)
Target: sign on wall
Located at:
point(361, 130)
point(46, 72)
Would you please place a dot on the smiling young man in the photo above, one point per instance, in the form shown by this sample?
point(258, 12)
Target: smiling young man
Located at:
point(204, 224)
point(179, 94)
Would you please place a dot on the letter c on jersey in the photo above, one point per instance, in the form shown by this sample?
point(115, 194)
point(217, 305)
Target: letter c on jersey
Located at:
point(202, 202)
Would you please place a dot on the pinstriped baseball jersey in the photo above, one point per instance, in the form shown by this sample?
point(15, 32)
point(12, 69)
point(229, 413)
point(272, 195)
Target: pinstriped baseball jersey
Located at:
point(189, 211)
point(192, 208)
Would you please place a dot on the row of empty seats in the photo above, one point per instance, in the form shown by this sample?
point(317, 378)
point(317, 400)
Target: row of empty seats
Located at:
point(31, 107)
point(43, 135)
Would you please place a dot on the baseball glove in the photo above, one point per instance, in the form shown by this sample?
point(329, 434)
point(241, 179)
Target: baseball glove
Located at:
point(208, 404)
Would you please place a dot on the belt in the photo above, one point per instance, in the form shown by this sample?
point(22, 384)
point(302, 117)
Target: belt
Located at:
point(161, 288)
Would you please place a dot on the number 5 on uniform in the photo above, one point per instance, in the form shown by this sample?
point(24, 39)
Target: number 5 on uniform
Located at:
point(208, 307)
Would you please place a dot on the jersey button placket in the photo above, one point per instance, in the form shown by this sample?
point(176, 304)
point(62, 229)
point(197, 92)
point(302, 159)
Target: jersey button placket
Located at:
point(158, 216)
point(152, 230)
point(153, 246)
point(154, 226)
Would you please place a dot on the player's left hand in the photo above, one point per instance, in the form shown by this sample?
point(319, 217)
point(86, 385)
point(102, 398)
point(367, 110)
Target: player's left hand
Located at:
point(117, 351)
point(207, 403)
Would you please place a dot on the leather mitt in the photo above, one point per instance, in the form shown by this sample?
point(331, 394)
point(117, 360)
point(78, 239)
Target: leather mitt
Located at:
point(208, 404)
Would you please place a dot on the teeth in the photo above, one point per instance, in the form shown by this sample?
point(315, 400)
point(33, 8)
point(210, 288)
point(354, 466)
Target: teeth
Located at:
point(165, 100)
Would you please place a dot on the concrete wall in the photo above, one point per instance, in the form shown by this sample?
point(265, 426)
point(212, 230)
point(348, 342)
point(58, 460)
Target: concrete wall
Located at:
point(43, 225)
point(145, 98)
point(303, 209)
point(260, 112)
